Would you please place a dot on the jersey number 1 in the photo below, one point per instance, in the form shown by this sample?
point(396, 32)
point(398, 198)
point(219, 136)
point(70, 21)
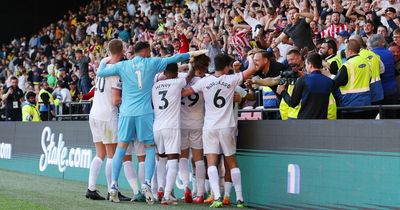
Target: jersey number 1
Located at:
point(139, 78)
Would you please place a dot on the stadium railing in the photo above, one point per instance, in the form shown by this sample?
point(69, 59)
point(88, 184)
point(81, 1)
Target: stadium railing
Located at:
point(258, 113)
point(261, 113)
point(72, 107)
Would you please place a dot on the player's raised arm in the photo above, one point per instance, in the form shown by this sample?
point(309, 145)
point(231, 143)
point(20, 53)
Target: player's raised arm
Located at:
point(187, 92)
point(111, 70)
point(161, 63)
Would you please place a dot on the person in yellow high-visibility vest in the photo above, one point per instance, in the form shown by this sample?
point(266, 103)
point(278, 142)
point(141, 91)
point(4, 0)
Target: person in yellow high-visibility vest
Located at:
point(328, 52)
point(30, 113)
point(377, 68)
point(46, 102)
point(353, 80)
point(310, 97)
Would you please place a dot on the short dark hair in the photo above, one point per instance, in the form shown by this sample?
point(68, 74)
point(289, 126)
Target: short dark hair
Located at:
point(30, 94)
point(221, 61)
point(264, 54)
point(293, 50)
point(295, 8)
point(331, 45)
point(60, 84)
point(13, 78)
point(79, 51)
point(382, 26)
point(141, 46)
point(201, 62)
point(172, 68)
point(315, 59)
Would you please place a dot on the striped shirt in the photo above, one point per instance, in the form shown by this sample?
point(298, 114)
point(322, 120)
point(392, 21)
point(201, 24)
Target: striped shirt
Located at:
point(332, 30)
point(238, 42)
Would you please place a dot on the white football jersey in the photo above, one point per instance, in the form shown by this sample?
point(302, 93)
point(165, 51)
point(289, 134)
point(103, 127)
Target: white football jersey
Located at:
point(102, 107)
point(218, 98)
point(166, 96)
point(192, 108)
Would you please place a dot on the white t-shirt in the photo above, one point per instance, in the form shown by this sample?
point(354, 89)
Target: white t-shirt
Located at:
point(218, 98)
point(386, 4)
point(166, 95)
point(103, 108)
point(192, 108)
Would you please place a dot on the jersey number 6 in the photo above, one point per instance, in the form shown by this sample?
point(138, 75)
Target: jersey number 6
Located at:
point(219, 101)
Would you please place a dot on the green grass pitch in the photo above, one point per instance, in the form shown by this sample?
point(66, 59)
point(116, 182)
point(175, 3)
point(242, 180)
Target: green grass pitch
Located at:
point(25, 191)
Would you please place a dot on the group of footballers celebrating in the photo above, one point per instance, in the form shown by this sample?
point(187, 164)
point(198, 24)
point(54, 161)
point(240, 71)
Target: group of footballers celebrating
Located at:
point(147, 106)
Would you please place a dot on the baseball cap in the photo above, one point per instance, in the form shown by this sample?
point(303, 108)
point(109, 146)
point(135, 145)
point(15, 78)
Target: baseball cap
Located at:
point(343, 34)
point(390, 9)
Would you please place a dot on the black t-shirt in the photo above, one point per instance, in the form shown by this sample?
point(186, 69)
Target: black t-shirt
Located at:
point(275, 69)
point(13, 102)
point(300, 33)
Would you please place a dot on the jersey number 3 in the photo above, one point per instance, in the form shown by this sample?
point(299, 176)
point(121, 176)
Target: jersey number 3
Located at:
point(163, 94)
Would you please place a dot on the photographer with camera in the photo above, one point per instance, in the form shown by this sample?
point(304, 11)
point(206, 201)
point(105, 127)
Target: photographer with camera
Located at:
point(313, 91)
point(288, 78)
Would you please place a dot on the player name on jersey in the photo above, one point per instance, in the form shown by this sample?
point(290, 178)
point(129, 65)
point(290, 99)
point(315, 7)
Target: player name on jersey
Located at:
point(212, 84)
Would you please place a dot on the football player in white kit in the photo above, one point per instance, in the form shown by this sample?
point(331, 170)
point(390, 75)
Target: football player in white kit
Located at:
point(103, 120)
point(219, 130)
point(192, 118)
point(166, 96)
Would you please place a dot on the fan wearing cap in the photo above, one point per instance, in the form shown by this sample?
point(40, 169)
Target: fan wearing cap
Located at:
point(381, 6)
point(342, 38)
point(30, 112)
point(387, 19)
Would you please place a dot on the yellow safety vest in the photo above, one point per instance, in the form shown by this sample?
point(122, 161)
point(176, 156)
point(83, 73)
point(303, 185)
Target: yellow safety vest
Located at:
point(359, 76)
point(288, 112)
point(335, 58)
point(374, 61)
point(30, 113)
point(43, 91)
point(338, 58)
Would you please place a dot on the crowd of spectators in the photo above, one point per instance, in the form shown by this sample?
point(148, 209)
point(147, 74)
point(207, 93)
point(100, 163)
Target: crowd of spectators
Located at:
point(61, 60)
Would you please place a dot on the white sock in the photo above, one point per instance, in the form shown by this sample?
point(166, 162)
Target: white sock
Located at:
point(237, 183)
point(172, 171)
point(214, 181)
point(108, 172)
point(154, 185)
point(200, 177)
point(207, 186)
point(184, 171)
point(131, 176)
point(141, 172)
point(161, 171)
point(94, 171)
point(227, 188)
